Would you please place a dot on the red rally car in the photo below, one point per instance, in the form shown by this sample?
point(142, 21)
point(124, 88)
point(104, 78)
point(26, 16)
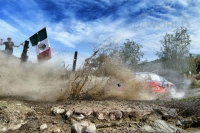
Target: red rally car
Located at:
point(156, 82)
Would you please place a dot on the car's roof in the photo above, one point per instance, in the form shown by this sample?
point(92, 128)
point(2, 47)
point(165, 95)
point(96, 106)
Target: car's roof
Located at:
point(145, 73)
point(140, 73)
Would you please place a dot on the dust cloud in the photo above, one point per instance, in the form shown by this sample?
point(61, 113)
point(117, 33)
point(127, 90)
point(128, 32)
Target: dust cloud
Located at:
point(130, 88)
point(30, 81)
point(52, 82)
point(181, 90)
point(182, 82)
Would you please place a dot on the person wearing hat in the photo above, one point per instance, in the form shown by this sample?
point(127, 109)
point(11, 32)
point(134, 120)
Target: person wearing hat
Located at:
point(9, 46)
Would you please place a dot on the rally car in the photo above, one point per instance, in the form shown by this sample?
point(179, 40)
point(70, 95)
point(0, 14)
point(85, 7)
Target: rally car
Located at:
point(157, 83)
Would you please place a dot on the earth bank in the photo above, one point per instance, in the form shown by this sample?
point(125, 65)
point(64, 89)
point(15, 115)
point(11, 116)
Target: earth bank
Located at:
point(20, 116)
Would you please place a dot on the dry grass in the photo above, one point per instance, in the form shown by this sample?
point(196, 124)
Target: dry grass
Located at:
point(84, 85)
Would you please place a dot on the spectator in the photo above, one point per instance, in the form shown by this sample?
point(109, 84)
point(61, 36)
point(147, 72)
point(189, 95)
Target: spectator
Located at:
point(9, 46)
point(1, 43)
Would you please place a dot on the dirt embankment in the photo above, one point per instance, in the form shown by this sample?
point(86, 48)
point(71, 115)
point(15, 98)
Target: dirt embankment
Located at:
point(112, 116)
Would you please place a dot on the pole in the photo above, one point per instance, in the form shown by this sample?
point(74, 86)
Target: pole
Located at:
point(74, 62)
point(24, 55)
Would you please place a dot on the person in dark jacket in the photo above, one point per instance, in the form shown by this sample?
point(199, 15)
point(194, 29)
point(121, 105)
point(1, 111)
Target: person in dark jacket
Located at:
point(9, 46)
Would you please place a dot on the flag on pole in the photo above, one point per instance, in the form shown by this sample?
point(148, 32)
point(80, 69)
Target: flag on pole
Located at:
point(41, 44)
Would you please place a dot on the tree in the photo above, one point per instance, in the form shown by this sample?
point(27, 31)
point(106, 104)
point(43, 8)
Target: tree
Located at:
point(175, 50)
point(131, 54)
point(192, 67)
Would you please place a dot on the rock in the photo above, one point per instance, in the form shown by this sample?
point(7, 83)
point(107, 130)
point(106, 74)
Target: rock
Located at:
point(43, 126)
point(115, 115)
point(178, 123)
point(57, 130)
point(162, 126)
point(112, 117)
point(54, 122)
point(186, 122)
point(147, 129)
point(118, 115)
point(126, 112)
point(57, 110)
point(79, 117)
point(18, 104)
point(172, 113)
point(69, 113)
point(17, 126)
point(161, 110)
point(83, 127)
point(18, 111)
point(102, 115)
point(3, 129)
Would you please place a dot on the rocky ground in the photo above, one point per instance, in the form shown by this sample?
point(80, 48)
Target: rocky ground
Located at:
point(22, 116)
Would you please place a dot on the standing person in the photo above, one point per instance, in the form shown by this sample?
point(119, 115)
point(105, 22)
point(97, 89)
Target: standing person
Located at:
point(9, 46)
point(1, 43)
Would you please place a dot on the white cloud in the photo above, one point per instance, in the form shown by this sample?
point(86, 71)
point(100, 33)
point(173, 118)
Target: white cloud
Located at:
point(183, 2)
point(71, 32)
point(6, 27)
point(7, 30)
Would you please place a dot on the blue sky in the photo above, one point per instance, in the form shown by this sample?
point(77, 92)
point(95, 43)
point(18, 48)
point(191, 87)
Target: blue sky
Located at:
point(78, 25)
